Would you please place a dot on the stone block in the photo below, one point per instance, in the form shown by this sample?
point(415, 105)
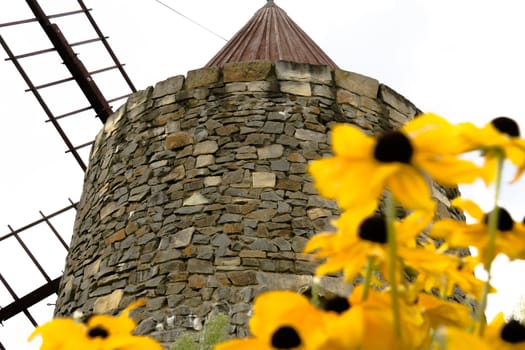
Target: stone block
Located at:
point(272, 127)
point(397, 101)
point(195, 199)
point(168, 86)
point(309, 135)
point(212, 181)
point(296, 88)
point(246, 71)
point(108, 303)
point(175, 174)
point(183, 238)
point(204, 160)
point(177, 140)
point(252, 254)
point(227, 261)
point(115, 237)
point(138, 98)
point(233, 228)
point(202, 77)
point(323, 91)
point(357, 83)
point(235, 87)
point(262, 214)
point(346, 97)
point(397, 118)
point(263, 179)
point(371, 103)
point(200, 266)
point(303, 72)
point(242, 278)
point(205, 147)
point(271, 151)
point(316, 213)
point(197, 281)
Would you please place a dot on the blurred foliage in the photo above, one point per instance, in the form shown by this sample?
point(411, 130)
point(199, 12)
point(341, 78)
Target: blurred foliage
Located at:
point(215, 330)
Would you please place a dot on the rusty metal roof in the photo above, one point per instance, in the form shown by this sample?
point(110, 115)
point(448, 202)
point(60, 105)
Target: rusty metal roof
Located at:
point(271, 35)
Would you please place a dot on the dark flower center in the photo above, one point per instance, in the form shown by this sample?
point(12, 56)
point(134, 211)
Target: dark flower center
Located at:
point(393, 146)
point(337, 304)
point(513, 332)
point(507, 126)
point(285, 337)
point(505, 222)
point(373, 229)
point(98, 331)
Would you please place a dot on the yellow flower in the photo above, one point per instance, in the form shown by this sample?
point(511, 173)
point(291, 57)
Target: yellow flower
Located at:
point(379, 331)
point(438, 270)
point(100, 332)
point(510, 235)
point(357, 240)
point(363, 166)
point(501, 135)
point(287, 320)
point(505, 335)
point(57, 333)
point(444, 313)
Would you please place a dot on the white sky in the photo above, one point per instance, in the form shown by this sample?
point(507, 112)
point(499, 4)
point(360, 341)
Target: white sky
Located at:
point(461, 59)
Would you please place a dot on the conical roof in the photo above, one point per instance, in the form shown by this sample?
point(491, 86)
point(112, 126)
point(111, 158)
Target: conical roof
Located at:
point(271, 35)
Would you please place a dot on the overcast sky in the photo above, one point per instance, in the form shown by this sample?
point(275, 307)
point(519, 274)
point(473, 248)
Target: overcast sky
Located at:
point(461, 59)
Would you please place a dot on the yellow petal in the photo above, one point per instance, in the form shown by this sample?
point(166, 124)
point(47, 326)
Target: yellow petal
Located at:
point(448, 170)
point(319, 241)
point(432, 133)
point(351, 142)
point(470, 207)
point(52, 333)
point(410, 188)
point(425, 121)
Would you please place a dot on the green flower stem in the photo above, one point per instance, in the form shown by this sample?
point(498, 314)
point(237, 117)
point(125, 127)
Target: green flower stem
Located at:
point(368, 276)
point(493, 229)
point(391, 216)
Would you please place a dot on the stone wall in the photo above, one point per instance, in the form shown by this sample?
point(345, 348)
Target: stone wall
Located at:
point(197, 198)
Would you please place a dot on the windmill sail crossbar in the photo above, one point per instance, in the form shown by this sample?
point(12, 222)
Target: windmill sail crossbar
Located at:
point(39, 52)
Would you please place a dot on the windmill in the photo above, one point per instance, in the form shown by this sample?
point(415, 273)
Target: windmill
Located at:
point(48, 216)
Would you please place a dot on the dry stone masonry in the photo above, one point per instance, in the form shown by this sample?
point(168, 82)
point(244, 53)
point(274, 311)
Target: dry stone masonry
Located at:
point(197, 196)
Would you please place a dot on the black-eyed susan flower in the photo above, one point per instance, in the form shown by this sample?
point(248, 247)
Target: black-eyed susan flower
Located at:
point(363, 166)
point(441, 312)
point(510, 235)
point(357, 240)
point(505, 335)
point(501, 136)
point(437, 270)
point(100, 332)
point(287, 320)
point(379, 330)
point(344, 325)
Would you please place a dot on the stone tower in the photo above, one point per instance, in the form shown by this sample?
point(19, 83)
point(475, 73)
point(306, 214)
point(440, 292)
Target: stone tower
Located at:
point(197, 198)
